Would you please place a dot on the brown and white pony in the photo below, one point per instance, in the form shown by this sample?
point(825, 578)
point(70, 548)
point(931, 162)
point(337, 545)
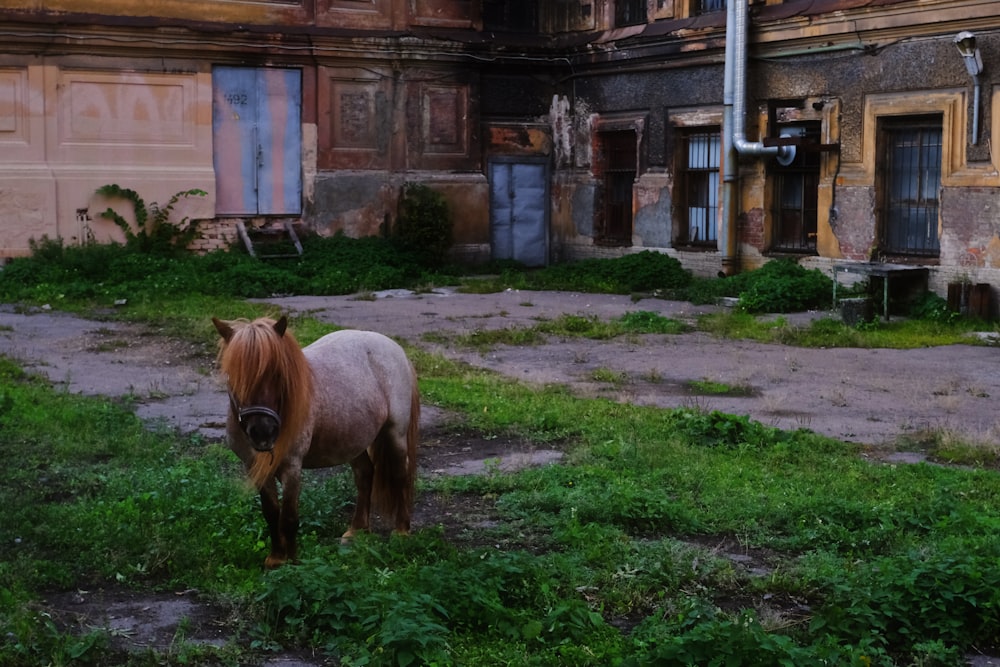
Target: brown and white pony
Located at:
point(350, 397)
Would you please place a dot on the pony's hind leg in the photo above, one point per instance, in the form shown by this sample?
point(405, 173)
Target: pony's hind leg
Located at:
point(394, 468)
point(364, 472)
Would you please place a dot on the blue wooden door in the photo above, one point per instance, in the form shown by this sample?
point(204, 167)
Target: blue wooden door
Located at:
point(257, 131)
point(519, 205)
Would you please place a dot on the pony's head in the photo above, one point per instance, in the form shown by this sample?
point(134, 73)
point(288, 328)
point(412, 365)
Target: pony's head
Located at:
point(270, 387)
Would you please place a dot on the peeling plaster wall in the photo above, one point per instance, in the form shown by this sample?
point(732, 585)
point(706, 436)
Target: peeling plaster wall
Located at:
point(69, 126)
point(653, 221)
point(909, 75)
point(356, 203)
point(359, 203)
point(973, 243)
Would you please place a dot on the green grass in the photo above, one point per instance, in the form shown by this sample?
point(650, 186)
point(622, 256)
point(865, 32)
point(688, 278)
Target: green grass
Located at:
point(620, 555)
point(713, 388)
point(883, 555)
point(829, 332)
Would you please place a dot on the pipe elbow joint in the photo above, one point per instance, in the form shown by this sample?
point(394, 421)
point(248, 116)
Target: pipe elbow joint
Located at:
point(757, 149)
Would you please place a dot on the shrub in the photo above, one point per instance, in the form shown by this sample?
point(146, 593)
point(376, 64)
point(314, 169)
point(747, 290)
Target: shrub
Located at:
point(783, 286)
point(645, 271)
point(934, 308)
point(424, 226)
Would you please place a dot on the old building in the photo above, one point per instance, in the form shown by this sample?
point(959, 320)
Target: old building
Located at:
point(852, 134)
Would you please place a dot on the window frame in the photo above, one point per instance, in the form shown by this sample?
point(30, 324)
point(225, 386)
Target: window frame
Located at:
point(807, 166)
point(688, 178)
point(698, 7)
point(892, 231)
point(623, 9)
point(617, 175)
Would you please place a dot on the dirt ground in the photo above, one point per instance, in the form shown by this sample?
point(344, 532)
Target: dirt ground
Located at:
point(873, 397)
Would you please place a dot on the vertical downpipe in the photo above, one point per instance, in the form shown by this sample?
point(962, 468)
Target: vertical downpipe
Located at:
point(730, 175)
point(733, 130)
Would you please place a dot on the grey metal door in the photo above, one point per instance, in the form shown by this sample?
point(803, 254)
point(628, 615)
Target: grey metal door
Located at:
point(519, 207)
point(257, 130)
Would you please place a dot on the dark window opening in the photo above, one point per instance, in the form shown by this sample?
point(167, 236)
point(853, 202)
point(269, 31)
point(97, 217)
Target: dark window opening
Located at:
point(699, 7)
point(510, 15)
point(700, 181)
point(910, 184)
point(796, 193)
point(630, 12)
point(618, 158)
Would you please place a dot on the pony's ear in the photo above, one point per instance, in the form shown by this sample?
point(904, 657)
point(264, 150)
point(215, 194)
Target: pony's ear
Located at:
point(224, 329)
point(281, 325)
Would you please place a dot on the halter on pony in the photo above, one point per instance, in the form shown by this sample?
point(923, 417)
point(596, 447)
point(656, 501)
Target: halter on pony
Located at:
point(254, 410)
point(270, 385)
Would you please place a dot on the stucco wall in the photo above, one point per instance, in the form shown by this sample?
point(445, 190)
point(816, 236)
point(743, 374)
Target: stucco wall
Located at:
point(67, 130)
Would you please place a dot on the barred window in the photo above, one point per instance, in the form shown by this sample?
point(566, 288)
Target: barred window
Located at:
point(911, 180)
point(630, 12)
point(700, 175)
point(699, 7)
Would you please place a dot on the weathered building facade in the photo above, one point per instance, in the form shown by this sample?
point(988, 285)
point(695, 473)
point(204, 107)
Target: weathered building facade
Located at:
point(828, 130)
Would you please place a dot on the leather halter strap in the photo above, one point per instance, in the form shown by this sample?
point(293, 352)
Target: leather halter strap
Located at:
point(242, 413)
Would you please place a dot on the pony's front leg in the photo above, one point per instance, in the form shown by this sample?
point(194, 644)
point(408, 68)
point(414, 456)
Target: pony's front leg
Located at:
point(271, 508)
point(288, 521)
point(364, 473)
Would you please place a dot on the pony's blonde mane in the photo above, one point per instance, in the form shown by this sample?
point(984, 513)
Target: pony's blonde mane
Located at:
point(256, 355)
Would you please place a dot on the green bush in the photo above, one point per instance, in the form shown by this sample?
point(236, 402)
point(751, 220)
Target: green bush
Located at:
point(424, 225)
point(645, 271)
point(783, 286)
point(934, 308)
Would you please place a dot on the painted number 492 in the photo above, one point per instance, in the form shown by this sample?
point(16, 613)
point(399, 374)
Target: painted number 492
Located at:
point(236, 99)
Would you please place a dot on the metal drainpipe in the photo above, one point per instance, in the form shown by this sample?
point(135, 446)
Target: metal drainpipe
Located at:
point(734, 142)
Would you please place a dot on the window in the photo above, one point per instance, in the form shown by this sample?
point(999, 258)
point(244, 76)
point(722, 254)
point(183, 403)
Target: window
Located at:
point(618, 167)
point(630, 12)
point(699, 7)
point(700, 177)
point(512, 15)
point(910, 168)
point(796, 191)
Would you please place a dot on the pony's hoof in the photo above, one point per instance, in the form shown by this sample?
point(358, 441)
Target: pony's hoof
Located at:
point(274, 562)
point(348, 537)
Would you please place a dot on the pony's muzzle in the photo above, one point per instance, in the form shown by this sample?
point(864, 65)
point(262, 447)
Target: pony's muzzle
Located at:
point(260, 424)
point(262, 432)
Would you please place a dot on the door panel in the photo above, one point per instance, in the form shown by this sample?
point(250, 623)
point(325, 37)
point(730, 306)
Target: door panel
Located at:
point(279, 183)
point(234, 128)
point(519, 211)
point(257, 135)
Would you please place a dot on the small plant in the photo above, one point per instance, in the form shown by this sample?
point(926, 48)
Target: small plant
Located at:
point(424, 226)
point(934, 308)
point(155, 232)
point(604, 374)
point(713, 388)
point(783, 286)
point(646, 322)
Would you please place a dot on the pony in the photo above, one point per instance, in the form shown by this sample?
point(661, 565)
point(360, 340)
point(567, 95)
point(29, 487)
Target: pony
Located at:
point(350, 397)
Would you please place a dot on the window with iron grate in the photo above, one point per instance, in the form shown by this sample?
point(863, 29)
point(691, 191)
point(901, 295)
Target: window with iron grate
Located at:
point(796, 193)
point(909, 161)
point(699, 174)
point(618, 165)
point(630, 12)
point(699, 7)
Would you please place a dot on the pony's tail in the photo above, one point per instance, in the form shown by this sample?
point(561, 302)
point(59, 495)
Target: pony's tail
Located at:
point(396, 470)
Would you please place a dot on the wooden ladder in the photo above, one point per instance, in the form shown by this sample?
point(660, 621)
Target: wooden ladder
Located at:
point(285, 231)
